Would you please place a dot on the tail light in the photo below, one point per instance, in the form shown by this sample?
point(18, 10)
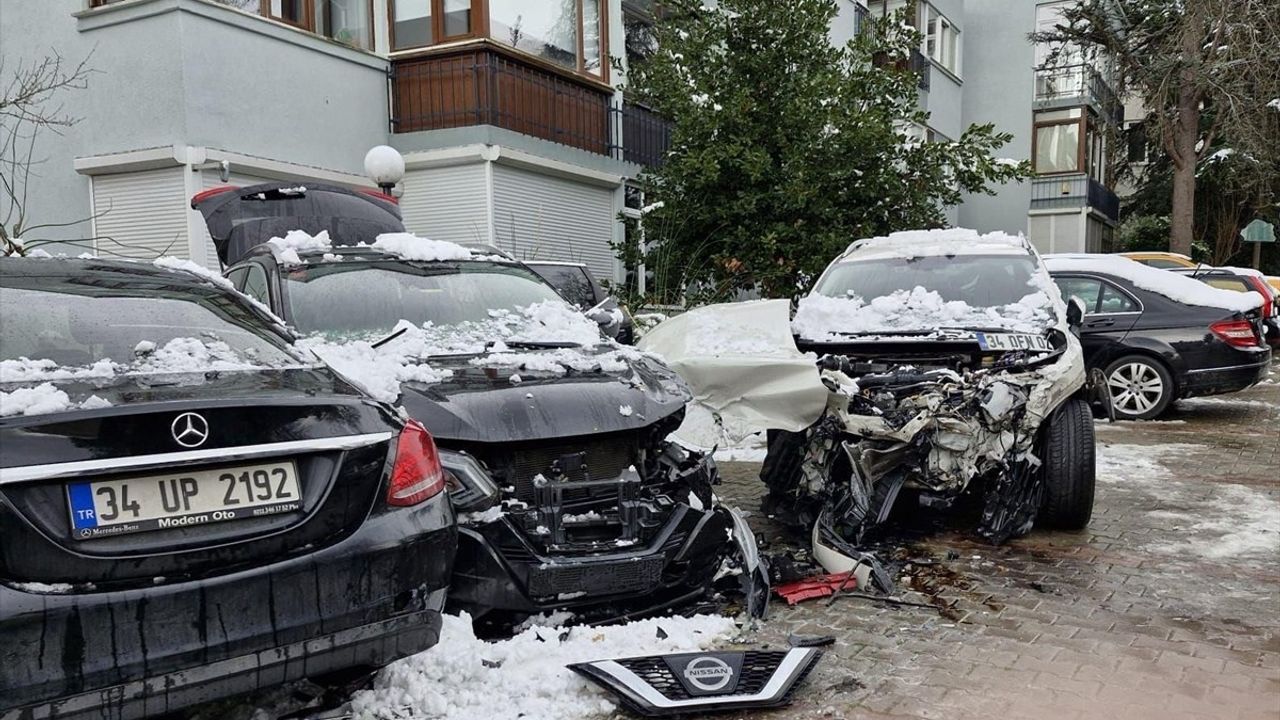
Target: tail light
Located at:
point(416, 475)
point(1236, 333)
point(1271, 299)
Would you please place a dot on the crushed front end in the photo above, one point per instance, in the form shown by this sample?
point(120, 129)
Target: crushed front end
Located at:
point(606, 525)
point(931, 422)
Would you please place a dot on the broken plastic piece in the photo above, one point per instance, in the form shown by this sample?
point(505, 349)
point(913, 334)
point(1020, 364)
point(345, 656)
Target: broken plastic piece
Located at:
point(664, 685)
point(816, 587)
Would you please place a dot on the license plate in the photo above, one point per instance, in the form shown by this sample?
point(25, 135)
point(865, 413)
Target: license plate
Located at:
point(182, 499)
point(1013, 341)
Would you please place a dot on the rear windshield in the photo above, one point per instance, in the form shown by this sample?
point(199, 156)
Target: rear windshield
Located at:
point(356, 298)
point(71, 328)
point(977, 280)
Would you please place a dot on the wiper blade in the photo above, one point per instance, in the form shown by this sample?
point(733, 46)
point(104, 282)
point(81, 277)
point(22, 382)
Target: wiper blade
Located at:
point(540, 344)
point(390, 337)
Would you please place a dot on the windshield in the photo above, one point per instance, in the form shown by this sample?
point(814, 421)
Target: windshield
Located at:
point(976, 280)
point(370, 298)
point(71, 328)
point(571, 281)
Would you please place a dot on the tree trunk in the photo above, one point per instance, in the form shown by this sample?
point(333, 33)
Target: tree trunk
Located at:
point(1186, 131)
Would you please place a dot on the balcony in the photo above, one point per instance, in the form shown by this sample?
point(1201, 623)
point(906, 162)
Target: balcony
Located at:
point(645, 138)
point(483, 84)
point(1072, 192)
point(916, 63)
point(1075, 85)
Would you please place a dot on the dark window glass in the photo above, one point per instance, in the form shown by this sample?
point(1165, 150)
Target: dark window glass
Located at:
point(255, 285)
point(571, 282)
point(457, 17)
point(1114, 301)
point(290, 11)
point(1087, 289)
point(637, 23)
point(362, 298)
point(237, 277)
point(979, 280)
point(73, 328)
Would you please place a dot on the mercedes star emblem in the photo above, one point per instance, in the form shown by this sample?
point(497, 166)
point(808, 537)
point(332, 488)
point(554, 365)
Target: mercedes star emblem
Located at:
point(190, 429)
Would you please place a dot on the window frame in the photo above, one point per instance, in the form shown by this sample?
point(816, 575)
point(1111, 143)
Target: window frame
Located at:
point(481, 26)
point(1081, 135)
point(308, 15)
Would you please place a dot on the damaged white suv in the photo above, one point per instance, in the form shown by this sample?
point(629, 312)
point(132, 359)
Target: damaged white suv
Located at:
point(944, 359)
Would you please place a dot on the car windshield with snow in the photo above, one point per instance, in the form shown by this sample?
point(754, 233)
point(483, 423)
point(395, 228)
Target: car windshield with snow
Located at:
point(554, 437)
point(168, 457)
point(945, 361)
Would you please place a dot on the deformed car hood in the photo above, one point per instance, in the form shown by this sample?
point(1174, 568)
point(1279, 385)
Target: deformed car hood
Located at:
point(502, 403)
point(746, 372)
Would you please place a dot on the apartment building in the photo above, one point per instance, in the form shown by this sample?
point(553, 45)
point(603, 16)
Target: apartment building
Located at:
point(507, 112)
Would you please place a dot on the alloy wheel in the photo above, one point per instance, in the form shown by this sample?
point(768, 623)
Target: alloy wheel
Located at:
point(1135, 388)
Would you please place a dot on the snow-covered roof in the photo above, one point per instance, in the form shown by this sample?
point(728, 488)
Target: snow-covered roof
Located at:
point(938, 242)
point(1175, 286)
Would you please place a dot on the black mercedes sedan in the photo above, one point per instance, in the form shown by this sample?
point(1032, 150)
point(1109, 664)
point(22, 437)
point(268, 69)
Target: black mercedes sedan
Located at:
point(1159, 336)
point(190, 507)
point(554, 439)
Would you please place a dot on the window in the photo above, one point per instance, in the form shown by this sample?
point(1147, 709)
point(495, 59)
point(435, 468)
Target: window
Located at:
point(1140, 148)
point(294, 12)
point(346, 21)
point(1087, 289)
point(411, 24)
point(1056, 141)
point(255, 285)
point(457, 18)
point(941, 39)
point(1114, 301)
point(641, 38)
point(548, 29)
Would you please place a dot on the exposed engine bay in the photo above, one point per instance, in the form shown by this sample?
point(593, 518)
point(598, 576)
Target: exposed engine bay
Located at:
point(926, 420)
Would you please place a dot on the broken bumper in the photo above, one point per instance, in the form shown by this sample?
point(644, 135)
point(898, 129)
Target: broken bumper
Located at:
point(371, 598)
point(499, 569)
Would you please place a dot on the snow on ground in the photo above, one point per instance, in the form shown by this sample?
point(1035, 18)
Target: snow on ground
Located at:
point(1220, 521)
point(819, 317)
point(524, 677)
point(1225, 403)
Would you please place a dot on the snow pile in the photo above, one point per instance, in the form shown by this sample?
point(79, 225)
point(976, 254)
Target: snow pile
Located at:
point(181, 265)
point(412, 247)
point(27, 370)
point(524, 677)
point(379, 371)
point(723, 335)
point(43, 399)
point(1175, 286)
point(938, 243)
point(191, 355)
point(824, 318)
point(296, 241)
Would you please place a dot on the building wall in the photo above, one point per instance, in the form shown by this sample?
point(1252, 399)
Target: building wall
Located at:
point(999, 88)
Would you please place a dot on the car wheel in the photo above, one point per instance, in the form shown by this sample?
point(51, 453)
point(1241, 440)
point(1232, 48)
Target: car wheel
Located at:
point(1067, 455)
point(1141, 388)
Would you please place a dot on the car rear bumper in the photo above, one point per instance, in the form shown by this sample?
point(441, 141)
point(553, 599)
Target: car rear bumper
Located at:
point(1219, 380)
point(497, 570)
point(373, 597)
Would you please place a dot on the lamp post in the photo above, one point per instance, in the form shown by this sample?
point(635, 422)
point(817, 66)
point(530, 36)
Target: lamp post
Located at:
point(385, 167)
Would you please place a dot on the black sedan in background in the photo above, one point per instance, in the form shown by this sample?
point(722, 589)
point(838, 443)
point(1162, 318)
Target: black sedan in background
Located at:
point(1152, 343)
point(191, 509)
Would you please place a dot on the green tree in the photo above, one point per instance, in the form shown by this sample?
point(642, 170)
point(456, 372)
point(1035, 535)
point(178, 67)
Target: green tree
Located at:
point(786, 147)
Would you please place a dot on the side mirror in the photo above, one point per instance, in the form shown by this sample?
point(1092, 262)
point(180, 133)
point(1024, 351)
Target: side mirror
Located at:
point(1075, 312)
point(608, 316)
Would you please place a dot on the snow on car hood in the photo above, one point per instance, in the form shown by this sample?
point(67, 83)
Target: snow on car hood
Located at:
point(1175, 286)
point(744, 368)
point(823, 318)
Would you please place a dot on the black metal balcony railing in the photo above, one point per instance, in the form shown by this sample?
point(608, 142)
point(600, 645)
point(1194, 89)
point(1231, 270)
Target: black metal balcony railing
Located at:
point(1081, 83)
point(645, 136)
point(1073, 191)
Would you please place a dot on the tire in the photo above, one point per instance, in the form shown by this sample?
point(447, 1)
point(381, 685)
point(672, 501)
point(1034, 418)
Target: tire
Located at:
point(1141, 388)
point(1067, 457)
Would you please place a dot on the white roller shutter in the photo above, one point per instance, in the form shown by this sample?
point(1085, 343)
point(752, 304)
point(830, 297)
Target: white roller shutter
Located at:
point(542, 217)
point(141, 214)
point(447, 203)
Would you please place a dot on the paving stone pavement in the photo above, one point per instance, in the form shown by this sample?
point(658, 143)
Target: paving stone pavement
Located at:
point(1167, 606)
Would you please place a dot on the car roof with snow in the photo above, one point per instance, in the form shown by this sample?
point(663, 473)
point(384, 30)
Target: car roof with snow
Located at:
point(936, 243)
point(100, 271)
point(1176, 286)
